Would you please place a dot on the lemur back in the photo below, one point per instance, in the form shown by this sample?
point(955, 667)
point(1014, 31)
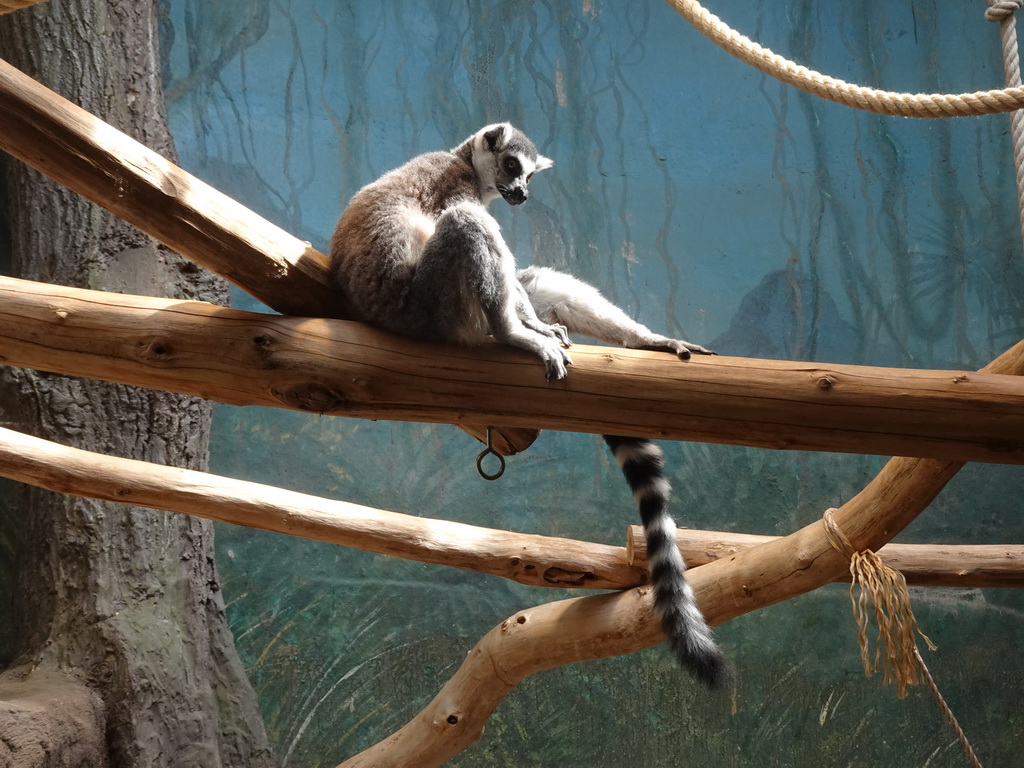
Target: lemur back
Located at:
point(416, 253)
point(381, 235)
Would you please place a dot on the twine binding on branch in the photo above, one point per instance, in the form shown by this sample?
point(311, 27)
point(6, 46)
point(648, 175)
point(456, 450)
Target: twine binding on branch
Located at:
point(885, 589)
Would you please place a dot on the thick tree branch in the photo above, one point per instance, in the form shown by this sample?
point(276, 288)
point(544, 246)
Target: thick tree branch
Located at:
point(538, 561)
point(923, 565)
point(110, 168)
point(341, 368)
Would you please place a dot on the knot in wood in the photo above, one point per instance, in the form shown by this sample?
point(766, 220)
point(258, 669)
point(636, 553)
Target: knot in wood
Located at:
point(312, 397)
point(561, 576)
point(264, 347)
point(519, 620)
point(826, 381)
point(154, 349)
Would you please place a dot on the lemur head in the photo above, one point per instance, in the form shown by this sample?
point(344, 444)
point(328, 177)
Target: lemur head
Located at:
point(505, 161)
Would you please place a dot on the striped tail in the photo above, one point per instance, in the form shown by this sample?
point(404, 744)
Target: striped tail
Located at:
point(688, 634)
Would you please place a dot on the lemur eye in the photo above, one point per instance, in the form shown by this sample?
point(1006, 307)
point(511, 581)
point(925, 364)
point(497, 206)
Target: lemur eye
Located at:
point(530, 176)
point(512, 165)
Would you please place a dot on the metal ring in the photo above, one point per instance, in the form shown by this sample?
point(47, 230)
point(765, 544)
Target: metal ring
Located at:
point(489, 450)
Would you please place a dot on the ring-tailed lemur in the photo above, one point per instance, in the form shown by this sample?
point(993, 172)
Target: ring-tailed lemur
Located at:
point(417, 253)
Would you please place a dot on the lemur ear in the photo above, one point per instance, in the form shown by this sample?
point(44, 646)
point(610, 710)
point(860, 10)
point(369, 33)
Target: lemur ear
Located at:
point(496, 136)
point(543, 163)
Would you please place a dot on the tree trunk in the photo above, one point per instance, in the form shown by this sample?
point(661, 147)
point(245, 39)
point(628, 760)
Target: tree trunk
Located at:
point(120, 603)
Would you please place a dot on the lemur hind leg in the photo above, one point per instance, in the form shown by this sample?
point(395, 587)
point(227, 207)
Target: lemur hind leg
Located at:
point(527, 313)
point(464, 287)
point(580, 307)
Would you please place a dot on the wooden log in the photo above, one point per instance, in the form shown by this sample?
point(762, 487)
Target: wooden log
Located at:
point(341, 368)
point(539, 561)
point(131, 181)
point(923, 565)
point(585, 628)
point(110, 168)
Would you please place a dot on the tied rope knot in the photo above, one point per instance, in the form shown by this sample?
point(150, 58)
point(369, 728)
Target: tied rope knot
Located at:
point(884, 590)
point(999, 10)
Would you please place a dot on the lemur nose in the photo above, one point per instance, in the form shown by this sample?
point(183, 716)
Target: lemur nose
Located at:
point(517, 196)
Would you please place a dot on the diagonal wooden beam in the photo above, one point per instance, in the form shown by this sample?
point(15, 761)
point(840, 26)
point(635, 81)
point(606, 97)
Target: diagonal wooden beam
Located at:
point(113, 170)
point(538, 561)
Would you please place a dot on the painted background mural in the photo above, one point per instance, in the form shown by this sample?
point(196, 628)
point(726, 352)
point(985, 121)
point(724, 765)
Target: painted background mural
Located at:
point(709, 201)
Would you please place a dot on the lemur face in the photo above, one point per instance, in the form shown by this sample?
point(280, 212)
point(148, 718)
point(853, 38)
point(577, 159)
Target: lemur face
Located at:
point(506, 160)
point(514, 173)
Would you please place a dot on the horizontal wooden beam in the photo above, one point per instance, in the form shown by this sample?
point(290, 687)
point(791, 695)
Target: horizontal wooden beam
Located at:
point(538, 561)
point(530, 559)
point(347, 369)
point(923, 565)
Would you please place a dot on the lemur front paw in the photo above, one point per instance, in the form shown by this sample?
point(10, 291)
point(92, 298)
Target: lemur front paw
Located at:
point(561, 333)
point(556, 361)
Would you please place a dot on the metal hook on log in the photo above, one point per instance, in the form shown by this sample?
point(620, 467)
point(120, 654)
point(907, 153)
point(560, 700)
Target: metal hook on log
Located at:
point(489, 450)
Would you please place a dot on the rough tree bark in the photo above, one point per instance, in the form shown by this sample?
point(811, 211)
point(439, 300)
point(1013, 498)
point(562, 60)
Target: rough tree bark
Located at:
point(117, 644)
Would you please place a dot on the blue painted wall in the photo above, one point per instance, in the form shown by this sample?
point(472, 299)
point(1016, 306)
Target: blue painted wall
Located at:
point(708, 200)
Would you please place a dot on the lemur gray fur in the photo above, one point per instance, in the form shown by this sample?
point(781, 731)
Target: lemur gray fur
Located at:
point(416, 253)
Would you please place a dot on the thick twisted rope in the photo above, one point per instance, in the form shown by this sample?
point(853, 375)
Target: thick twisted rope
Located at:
point(1002, 12)
point(856, 96)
